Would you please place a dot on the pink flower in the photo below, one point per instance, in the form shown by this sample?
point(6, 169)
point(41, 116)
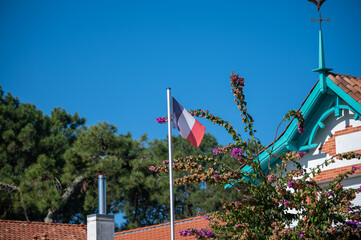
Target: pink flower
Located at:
point(162, 120)
point(354, 169)
point(237, 153)
point(301, 154)
point(151, 168)
point(165, 161)
point(271, 178)
point(300, 128)
point(285, 202)
point(216, 177)
point(205, 217)
point(215, 151)
point(291, 184)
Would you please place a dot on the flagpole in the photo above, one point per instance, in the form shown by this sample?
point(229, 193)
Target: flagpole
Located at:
point(170, 164)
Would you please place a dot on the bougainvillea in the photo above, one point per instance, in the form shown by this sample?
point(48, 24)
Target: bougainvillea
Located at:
point(161, 120)
point(274, 202)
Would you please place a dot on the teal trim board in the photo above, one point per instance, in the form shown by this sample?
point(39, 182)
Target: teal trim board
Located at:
point(320, 123)
point(311, 108)
point(344, 96)
point(326, 102)
point(324, 99)
point(282, 142)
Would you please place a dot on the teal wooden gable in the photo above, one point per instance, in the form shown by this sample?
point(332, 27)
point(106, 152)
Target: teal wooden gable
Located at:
point(331, 94)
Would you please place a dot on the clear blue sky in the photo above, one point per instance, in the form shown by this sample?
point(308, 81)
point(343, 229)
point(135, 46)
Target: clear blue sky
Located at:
point(113, 60)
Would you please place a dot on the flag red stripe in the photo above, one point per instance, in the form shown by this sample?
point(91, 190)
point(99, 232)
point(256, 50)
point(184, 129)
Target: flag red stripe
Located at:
point(196, 134)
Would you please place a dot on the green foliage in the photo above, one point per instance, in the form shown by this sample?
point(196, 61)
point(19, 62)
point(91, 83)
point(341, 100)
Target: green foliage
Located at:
point(273, 202)
point(148, 192)
point(49, 163)
point(31, 145)
point(48, 167)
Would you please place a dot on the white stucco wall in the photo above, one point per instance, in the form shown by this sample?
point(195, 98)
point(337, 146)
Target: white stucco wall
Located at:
point(348, 142)
point(344, 143)
point(333, 124)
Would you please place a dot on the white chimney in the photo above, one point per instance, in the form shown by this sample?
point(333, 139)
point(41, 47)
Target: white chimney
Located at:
point(100, 226)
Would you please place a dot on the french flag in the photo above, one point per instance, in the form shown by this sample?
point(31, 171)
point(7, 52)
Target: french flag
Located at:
point(188, 127)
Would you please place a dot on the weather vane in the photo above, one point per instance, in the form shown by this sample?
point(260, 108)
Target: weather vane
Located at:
point(319, 4)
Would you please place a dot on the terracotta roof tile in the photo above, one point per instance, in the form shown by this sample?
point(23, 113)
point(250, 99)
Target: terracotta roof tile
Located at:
point(351, 88)
point(350, 84)
point(349, 81)
point(333, 79)
point(358, 88)
point(162, 231)
point(20, 230)
point(358, 83)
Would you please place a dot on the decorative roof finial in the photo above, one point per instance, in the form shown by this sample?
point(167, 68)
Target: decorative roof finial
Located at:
point(319, 4)
point(322, 70)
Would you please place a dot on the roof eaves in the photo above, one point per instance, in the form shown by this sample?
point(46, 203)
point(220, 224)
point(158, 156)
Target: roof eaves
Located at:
point(157, 226)
point(306, 106)
point(291, 129)
point(332, 84)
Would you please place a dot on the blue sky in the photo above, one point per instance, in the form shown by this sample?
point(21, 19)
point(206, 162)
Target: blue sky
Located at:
point(113, 60)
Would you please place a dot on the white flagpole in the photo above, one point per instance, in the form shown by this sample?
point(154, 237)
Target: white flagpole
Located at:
point(170, 164)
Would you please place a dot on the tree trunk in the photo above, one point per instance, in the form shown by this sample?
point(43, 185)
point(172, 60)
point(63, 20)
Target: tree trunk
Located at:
point(50, 217)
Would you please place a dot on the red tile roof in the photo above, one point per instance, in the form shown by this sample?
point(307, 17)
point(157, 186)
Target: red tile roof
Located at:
point(162, 231)
point(350, 84)
point(20, 230)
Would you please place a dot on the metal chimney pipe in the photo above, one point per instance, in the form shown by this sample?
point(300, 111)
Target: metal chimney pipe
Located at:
point(102, 194)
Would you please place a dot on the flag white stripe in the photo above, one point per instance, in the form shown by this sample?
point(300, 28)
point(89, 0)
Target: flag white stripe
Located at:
point(185, 123)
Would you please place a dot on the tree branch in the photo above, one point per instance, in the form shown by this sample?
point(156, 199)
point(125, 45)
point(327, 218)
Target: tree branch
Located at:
point(8, 187)
point(71, 189)
point(65, 198)
point(11, 188)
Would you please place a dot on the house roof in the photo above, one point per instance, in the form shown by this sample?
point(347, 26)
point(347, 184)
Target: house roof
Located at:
point(21, 230)
point(349, 84)
point(162, 231)
point(345, 87)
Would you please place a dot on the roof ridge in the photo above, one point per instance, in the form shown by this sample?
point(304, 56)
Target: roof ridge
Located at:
point(43, 223)
point(191, 219)
point(345, 75)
